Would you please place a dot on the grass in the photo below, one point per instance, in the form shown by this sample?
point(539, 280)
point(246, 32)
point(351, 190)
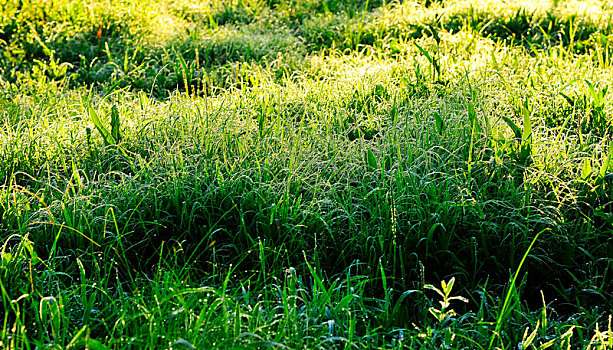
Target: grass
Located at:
point(305, 174)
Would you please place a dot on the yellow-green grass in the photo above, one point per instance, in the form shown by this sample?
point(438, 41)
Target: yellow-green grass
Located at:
point(305, 174)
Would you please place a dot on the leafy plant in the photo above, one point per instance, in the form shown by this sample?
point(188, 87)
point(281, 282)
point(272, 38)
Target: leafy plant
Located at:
point(444, 312)
point(597, 121)
point(523, 136)
point(434, 58)
point(112, 137)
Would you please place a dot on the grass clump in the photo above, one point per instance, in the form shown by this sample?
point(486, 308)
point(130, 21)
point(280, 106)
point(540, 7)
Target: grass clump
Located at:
point(305, 175)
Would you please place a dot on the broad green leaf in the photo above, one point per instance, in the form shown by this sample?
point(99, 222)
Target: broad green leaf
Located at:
point(527, 134)
point(344, 302)
point(6, 258)
point(570, 101)
point(434, 32)
point(261, 121)
point(591, 89)
point(387, 162)
point(106, 136)
point(526, 142)
point(605, 165)
point(371, 161)
point(448, 286)
point(494, 61)
point(212, 22)
point(425, 53)
point(513, 126)
point(439, 124)
point(472, 117)
point(115, 132)
point(587, 169)
point(144, 100)
point(187, 77)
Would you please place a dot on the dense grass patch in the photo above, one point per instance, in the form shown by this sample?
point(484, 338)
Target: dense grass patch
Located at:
point(305, 174)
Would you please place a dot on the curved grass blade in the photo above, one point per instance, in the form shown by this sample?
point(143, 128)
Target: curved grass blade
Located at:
point(106, 136)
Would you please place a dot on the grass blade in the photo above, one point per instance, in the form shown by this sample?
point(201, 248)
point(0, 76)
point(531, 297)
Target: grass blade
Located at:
point(106, 136)
point(115, 132)
point(507, 299)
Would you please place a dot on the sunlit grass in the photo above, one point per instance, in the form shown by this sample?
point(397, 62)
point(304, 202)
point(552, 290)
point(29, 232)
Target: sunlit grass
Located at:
point(305, 175)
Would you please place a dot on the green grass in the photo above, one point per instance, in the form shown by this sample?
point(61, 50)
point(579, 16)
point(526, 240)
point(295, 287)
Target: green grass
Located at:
point(306, 174)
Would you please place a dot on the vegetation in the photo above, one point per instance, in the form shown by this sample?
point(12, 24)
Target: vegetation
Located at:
point(306, 174)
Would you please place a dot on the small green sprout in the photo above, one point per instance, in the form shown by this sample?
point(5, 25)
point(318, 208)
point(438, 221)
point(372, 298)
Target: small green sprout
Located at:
point(444, 312)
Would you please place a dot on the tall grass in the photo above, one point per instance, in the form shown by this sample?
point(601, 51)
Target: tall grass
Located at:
point(305, 175)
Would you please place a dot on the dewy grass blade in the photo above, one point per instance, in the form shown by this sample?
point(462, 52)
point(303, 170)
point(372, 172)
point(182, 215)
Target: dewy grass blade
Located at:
point(511, 287)
point(318, 281)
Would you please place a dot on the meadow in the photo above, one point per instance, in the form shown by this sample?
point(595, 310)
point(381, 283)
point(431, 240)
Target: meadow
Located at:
point(306, 174)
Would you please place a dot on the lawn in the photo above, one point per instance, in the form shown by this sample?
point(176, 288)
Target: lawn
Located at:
point(306, 174)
